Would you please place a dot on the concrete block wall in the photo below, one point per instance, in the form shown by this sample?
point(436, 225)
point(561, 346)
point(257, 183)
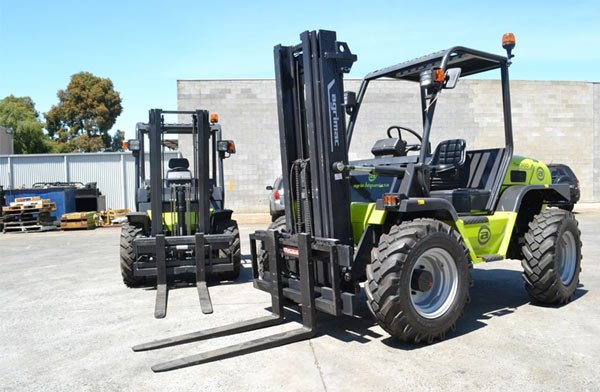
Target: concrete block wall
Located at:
point(248, 116)
point(552, 121)
point(596, 143)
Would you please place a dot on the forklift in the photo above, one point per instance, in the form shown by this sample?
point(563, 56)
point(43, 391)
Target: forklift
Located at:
point(405, 225)
point(181, 226)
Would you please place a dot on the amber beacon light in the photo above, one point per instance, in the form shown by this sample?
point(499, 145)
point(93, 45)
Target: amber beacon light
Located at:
point(508, 43)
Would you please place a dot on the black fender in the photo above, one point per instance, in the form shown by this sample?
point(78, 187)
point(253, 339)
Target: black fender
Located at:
point(140, 219)
point(428, 207)
point(220, 216)
point(513, 196)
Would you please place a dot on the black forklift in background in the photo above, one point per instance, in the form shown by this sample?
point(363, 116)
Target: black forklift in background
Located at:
point(181, 226)
point(406, 223)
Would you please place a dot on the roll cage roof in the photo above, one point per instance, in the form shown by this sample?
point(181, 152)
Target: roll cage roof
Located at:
point(470, 61)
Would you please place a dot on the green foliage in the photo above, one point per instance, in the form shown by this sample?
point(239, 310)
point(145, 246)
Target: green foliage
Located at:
point(19, 114)
point(86, 110)
point(116, 143)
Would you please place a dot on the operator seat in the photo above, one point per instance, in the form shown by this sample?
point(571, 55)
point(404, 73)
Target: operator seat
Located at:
point(447, 165)
point(178, 171)
point(451, 169)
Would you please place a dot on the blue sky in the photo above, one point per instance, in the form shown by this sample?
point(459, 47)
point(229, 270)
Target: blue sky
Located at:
point(146, 46)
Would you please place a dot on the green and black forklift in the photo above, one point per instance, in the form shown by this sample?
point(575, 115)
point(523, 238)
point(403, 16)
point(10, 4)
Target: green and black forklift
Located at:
point(180, 210)
point(405, 224)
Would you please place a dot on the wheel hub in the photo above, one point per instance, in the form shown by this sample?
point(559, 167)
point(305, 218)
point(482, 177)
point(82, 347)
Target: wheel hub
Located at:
point(567, 257)
point(433, 283)
point(422, 280)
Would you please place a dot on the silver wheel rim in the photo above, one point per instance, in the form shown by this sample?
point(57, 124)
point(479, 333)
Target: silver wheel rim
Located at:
point(567, 257)
point(434, 302)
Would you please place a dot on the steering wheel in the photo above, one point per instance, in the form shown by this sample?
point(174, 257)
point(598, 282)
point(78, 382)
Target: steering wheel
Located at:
point(409, 147)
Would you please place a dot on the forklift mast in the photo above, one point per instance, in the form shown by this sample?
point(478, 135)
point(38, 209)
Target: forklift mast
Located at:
point(209, 151)
point(312, 131)
point(200, 128)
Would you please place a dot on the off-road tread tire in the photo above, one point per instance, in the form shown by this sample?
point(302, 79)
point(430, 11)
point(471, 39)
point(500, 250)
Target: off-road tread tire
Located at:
point(391, 265)
point(231, 227)
point(541, 271)
point(127, 255)
point(262, 260)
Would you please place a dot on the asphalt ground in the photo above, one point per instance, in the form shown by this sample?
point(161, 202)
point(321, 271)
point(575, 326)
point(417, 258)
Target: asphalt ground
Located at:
point(68, 324)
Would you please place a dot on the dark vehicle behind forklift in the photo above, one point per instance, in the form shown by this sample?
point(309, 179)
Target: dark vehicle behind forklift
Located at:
point(563, 174)
point(180, 210)
point(413, 236)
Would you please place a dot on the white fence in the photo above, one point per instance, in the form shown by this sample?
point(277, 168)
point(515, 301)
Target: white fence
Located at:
point(114, 172)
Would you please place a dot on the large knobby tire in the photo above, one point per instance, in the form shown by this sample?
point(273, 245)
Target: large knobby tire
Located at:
point(128, 233)
point(263, 259)
point(230, 227)
point(552, 257)
point(418, 280)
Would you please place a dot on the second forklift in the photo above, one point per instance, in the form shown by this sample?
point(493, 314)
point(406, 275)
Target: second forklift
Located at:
point(181, 225)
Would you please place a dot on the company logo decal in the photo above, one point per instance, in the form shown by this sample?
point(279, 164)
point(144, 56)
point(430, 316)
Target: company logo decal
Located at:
point(484, 235)
point(335, 119)
point(540, 174)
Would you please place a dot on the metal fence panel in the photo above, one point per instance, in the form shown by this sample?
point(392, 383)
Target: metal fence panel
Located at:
point(114, 173)
point(4, 171)
point(29, 169)
point(109, 172)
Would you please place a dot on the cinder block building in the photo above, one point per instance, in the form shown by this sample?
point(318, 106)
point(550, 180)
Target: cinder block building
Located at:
point(553, 121)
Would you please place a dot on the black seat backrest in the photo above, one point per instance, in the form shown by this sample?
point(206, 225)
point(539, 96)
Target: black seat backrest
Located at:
point(448, 169)
point(449, 153)
point(179, 164)
point(179, 172)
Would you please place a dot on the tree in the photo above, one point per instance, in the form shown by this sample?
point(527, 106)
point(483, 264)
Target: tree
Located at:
point(116, 144)
point(86, 111)
point(19, 114)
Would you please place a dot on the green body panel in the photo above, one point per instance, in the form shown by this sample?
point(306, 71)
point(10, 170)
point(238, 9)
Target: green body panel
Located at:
point(363, 214)
point(536, 172)
point(492, 237)
point(170, 219)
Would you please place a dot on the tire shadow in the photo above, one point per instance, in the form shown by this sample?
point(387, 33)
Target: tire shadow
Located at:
point(496, 293)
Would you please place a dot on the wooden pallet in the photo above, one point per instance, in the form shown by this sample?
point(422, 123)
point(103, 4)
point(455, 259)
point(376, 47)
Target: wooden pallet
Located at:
point(78, 221)
point(27, 227)
point(30, 204)
point(28, 215)
point(27, 198)
point(109, 215)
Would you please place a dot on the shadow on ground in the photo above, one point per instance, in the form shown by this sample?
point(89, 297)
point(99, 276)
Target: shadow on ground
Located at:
point(496, 293)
